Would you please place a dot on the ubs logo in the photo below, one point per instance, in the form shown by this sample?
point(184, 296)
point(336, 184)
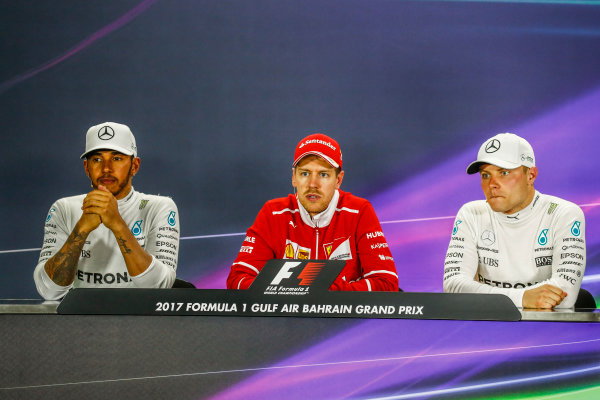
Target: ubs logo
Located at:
point(492, 146)
point(488, 238)
point(106, 133)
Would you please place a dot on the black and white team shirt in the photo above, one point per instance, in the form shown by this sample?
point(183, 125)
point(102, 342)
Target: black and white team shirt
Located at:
point(491, 252)
point(153, 220)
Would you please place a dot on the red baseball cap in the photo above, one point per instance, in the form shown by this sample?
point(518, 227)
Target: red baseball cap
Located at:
point(319, 145)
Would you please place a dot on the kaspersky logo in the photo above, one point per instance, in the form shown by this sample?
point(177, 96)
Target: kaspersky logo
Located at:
point(318, 141)
point(306, 276)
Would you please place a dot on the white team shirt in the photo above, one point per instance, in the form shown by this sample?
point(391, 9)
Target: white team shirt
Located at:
point(154, 222)
point(491, 252)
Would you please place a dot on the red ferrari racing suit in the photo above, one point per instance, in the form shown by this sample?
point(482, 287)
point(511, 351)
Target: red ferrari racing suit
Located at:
point(347, 230)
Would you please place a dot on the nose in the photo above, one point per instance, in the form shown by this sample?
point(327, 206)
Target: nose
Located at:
point(493, 182)
point(313, 180)
point(106, 166)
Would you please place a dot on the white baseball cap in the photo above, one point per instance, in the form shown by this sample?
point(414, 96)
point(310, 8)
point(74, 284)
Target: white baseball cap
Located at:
point(110, 136)
point(505, 150)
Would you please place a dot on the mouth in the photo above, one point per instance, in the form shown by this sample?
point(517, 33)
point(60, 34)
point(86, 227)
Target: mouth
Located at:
point(107, 180)
point(312, 197)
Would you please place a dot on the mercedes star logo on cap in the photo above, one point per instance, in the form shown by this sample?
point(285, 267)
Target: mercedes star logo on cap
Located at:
point(492, 146)
point(106, 133)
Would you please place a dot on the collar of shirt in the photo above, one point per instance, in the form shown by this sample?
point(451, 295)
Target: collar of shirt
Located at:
point(323, 218)
point(522, 215)
point(127, 199)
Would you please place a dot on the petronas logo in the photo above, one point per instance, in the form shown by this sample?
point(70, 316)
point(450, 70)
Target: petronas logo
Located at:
point(543, 238)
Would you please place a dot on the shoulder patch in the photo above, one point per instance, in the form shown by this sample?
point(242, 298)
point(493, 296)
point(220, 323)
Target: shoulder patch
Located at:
point(143, 203)
point(552, 208)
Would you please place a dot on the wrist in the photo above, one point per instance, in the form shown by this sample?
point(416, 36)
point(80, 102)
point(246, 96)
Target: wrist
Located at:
point(81, 230)
point(118, 227)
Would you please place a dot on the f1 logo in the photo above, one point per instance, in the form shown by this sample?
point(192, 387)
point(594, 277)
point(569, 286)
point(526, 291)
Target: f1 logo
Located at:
point(284, 272)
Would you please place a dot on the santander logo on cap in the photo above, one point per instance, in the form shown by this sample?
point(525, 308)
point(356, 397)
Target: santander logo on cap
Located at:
point(319, 142)
point(320, 145)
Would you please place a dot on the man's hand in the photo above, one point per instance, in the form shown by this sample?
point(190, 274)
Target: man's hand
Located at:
point(546, 296)
point(103, 204)
point(89, 220)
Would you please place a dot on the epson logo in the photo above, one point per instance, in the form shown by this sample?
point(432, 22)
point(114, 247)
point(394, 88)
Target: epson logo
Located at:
point(454, 254)
point(571, 255)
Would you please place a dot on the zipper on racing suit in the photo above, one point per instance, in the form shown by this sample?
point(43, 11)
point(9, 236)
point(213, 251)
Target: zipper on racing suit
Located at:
point(317, 244)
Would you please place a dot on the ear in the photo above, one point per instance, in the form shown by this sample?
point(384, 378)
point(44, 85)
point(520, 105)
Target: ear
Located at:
point(340, 177)
point(293, 177)
point(532, 174)
point(135, 165)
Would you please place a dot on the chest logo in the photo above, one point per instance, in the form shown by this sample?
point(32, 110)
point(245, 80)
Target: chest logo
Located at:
point(455, 229)
point(488, 238)
point(303, 254)
point(289, 251)
point(575, 229)
point(294, 251)
point(171, 218)
point(136, 229)
point(339, 249)
point(543, 238)
point(50, 214)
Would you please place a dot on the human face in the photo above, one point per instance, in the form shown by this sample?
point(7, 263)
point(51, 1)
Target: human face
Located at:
point(316, 182)
point(112, 170)
point(507, 190)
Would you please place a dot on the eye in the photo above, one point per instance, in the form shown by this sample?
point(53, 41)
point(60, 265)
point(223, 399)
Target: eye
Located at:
point(485, 175)
point(304, 173)
point(324, 175)
point(504, 173)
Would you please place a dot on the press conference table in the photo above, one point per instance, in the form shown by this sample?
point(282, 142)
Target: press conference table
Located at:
point(73, 355)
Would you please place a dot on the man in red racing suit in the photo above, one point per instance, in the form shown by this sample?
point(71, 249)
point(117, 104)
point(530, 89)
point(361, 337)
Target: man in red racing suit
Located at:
point(319, 222)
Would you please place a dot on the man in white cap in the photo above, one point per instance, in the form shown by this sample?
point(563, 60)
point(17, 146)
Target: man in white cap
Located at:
point(518, 242)
point(319, 222)
point(112, 236)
